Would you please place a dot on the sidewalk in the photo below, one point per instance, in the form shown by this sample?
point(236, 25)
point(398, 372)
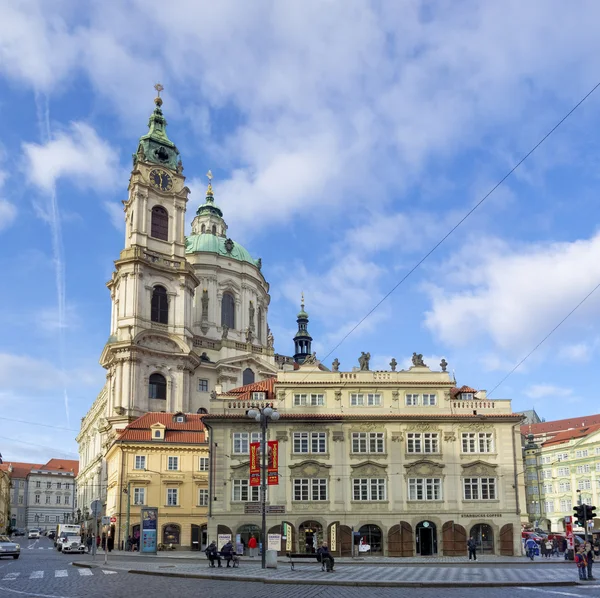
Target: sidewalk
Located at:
point(488, 559)
point(369, 575)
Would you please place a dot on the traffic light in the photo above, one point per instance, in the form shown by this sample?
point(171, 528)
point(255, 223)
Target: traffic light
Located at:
point(578, 515)
point(590, 512)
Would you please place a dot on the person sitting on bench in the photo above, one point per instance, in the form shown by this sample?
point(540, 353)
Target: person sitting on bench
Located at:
point(325, 556)
point(213, 554)
point(227, 552)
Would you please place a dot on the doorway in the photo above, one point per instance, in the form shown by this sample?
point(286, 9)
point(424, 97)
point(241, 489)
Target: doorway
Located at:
point(310, 536)
point(484, 538)
point(426, 538)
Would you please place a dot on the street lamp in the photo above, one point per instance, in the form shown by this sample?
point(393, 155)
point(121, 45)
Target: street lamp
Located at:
point(263, 416)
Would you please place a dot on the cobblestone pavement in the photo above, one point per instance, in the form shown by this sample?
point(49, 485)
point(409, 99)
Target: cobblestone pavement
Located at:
point(37, 578)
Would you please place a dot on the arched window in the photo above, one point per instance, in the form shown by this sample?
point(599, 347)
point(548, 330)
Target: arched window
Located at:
point(157, 387)
point(159, 228)
point(171, 534)
point(159, 311)
point(203, 229)
point(214, 229)
point(247, 377)
point(228, 311)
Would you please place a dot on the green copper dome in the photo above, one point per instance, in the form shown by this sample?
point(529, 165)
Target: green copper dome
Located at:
point(209, 243)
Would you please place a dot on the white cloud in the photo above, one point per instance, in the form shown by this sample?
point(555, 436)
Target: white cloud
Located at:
point(77, 153)
point(116, 215)
point(513, 294)
point(8, 214)
point(578, 352)
point(543, 391)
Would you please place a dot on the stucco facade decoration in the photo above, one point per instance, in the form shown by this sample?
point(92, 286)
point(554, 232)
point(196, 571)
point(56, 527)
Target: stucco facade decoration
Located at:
point(404, 459)
point(561, 468)
point(161, 460)
point(189, 314)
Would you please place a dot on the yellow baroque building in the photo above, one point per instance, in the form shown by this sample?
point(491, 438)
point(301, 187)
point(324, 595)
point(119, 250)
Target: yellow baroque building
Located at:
point(160, 460)
point(394, 463)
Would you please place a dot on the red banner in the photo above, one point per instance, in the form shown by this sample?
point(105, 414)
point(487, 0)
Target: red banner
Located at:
point(569, 532)
point(273, 463)
point(255, 464)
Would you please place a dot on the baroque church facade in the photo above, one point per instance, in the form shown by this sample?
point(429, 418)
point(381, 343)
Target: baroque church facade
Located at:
point(189, 313)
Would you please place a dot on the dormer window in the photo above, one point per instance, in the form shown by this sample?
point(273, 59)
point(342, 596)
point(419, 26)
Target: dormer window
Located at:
point(158, 431)
point(466, 396)
point(180, 418)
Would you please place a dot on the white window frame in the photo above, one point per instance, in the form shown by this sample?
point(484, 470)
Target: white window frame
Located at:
point(203, 497)
point(476, 489)
point(563, 471)
point(369, 489)
point(562, 457)
point(241, 491)
point(429, 489)
point(310, 489)
point(172, 497)
point(549, 506)
point(429, 400)
point(368, 443)
point(201, 382)
point(423, 443)
point(203, 463)
point(139, 462)
point(139, 496)
point(549, 488)
point(566, 504)
point(241, 441)
point(172, 463)
point(411, 399)
point(309, 400)
point(581, 454)
point(477, 442)
point(304, 443)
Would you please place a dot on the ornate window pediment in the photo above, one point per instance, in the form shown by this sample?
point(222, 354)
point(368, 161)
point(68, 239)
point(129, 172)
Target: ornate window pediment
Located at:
point(368, 469)
point(310, 469)
point(479, 468)
point(424, 467)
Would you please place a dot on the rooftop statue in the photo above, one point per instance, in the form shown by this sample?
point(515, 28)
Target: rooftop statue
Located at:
point(363, 361)
point(417, 360)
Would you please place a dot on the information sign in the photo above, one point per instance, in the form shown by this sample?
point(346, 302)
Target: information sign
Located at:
point(149, 517)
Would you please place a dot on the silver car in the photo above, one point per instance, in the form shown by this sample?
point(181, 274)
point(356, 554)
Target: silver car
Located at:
point(9, 548)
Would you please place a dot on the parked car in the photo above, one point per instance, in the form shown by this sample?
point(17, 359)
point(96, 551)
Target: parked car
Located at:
point(9, 548)
point(19, 532)
point(535, 536)
point(33, 534)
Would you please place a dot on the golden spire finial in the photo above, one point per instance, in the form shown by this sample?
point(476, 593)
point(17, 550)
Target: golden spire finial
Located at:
point(209, 176)
point(302, 301)
point(158, 100)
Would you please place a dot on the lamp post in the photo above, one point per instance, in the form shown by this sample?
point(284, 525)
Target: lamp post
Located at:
point(262, 416)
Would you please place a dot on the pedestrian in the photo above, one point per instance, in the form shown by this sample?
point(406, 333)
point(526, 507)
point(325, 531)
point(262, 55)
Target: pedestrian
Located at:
point(227, 552)
point(542, 548)
point(110, 542)
point(243, 546)
point(213, 554)
point(530, 547)
point(589, 553)
point(472, 547)
point(88, 542)
point(581, 562)
point(97, 541)
point(555, 547)
point(549, 548)
point(104, 542)
point(252, 544)
point(325, 557)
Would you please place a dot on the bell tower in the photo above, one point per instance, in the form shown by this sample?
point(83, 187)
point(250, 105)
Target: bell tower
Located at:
point(302, 340)
point(149, 356)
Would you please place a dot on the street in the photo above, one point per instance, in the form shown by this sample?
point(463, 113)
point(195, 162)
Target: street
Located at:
point(42, 572)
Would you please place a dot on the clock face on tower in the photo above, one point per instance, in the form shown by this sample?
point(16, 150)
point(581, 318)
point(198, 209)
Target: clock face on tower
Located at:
point(161, 180)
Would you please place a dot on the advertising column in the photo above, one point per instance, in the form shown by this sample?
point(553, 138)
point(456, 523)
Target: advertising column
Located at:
point(149, 530)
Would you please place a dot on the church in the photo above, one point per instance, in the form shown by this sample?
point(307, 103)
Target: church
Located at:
point(189, 313)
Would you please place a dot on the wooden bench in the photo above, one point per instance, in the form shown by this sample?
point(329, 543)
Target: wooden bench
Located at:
point(304, 556)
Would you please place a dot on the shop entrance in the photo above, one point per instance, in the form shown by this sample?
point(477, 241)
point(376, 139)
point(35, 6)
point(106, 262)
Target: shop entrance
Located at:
point(484, 537)
point(426, 538)
point(310, 536)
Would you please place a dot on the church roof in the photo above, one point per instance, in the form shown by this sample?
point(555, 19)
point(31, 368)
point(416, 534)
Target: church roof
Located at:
point(210, 243)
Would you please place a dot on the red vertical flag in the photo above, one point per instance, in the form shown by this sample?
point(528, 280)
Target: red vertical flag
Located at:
point(255, 464)
point(273, 463)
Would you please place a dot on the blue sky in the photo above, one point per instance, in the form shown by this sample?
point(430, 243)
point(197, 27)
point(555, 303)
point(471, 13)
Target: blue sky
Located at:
point(346, 138)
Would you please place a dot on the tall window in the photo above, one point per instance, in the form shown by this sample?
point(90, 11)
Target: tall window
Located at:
point(477, 442)
point(367, 442)
point(259, 324)
point(479, 488)
point(429, 400)
point(58, 499)
point(139, 496)
point(243, 492)
point(369, 400)
point(312, 400)
point(67, 500)
point(228, 310)
point(172, 496)
point(203, 497)
point(47, 500)
point(159, 228)
point(48, 485)
point(310, 442)
point(173, 463)
point(242, 440)
point(424, 489)
point(38, 484)
point(412, 400)
point(310, 489)
point(426, 442)
point(248, 376)
point(368, 489)
point(157, 387)
point(37, 499)
point(203, 464)
point(140, 462)
point(159, 311)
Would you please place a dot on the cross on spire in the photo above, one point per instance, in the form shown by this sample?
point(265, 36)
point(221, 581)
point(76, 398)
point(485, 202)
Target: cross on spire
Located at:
point(158, 88)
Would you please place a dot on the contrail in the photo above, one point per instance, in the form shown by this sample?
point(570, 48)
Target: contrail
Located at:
point(43, 118)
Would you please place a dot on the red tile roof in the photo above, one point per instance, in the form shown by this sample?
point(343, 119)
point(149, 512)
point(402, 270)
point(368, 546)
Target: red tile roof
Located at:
point(192, 431)
point(573, 434)
point(560, 425)
point(244, 393)
point(20, 470)
point(457, 391)
point(68, 465)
